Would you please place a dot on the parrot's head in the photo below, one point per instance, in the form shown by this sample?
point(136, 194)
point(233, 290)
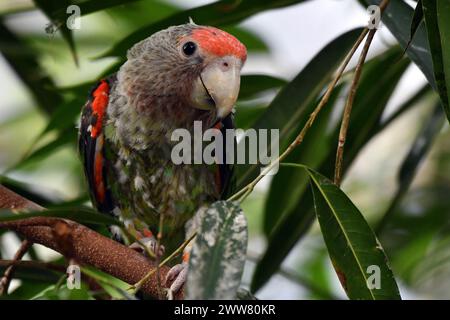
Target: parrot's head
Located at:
point(185, 69)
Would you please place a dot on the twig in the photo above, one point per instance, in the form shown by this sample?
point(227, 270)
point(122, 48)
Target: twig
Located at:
point(244, 192)
point(38, 266)
point(348, 109)
point(158, 257)
point(139, 284)
point(76, 241)
point(9, 272)
point(350, 99)
point(33, 264)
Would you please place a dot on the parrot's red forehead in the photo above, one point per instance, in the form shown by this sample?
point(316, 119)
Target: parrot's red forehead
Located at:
point(219, 43)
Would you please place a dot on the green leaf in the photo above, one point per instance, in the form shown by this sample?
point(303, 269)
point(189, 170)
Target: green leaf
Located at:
point(292, 106)
point(35, 273)
point(246, 116)
point(282, 240)
point(220, 13)
point(116, 288)
point(312, 152)
point(415, 23)
point(80, 214)
point(419, 222)
point(30, 192)
point(218, 253)
point(28, 289)
point(437, 15)
point(56, 11)
point(315, 269)
point(50, 8)
point(61, 292)
point(64, 116)
point(66, 137)
point(421, 145)
point(398, 18)
point(370, 102)
point(352, 245)
point(90, 6)
point(57, 8)
point(418, 151)
point(254, 84)
point(444, 28)
point(24, 61)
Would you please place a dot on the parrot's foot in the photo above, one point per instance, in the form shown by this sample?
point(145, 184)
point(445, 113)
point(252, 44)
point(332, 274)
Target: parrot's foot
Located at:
point(150, 244)
point(179, 273)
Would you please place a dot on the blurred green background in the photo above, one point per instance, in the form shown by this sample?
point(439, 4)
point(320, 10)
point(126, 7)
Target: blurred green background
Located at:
point(398, 162)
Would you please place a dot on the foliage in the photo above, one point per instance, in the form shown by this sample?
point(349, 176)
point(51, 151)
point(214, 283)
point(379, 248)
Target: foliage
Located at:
point(411, 227)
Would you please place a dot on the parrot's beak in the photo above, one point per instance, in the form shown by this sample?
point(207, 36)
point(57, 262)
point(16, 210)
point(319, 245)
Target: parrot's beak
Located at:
point(217, 87)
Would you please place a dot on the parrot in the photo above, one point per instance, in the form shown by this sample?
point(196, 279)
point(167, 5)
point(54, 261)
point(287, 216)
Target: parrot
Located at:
point(173, 78)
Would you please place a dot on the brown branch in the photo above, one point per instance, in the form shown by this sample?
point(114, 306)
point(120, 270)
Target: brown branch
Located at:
point(9, 272)
point(93, 284)
point(33, 265)
point(76, 241)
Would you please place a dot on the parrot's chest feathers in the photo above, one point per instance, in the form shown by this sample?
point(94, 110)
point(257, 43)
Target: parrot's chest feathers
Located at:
point(153, 185)
point(144, 175)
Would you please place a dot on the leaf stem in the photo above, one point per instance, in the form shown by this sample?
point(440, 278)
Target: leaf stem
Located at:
point(348, 109)
point(139, 284)
point(350, 99)
point(9, 272)
point(244, 192)
point(158, 246)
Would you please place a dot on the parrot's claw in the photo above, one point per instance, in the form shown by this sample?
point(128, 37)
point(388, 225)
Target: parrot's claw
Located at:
point(150, 244)
point(178, 274)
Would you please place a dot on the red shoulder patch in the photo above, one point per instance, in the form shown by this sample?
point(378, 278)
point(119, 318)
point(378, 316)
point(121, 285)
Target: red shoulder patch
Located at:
point(99, 105)
point(98, 170)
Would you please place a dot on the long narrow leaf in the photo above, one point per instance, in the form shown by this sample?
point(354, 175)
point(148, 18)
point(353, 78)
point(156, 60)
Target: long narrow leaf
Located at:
point(290, 109)
point(219, 13)
point(356, 254)
point(370, 101)
point(398, 18)
point(416, 21)
point(218, 254)
point(82, 215)
point(312, 152)
point(24, 62)
point(415, 156)
point(438, 29)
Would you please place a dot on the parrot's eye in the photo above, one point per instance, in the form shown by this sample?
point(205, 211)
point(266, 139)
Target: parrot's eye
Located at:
point(189, 48)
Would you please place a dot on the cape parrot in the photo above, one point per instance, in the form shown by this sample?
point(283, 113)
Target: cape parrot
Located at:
point(176, 76)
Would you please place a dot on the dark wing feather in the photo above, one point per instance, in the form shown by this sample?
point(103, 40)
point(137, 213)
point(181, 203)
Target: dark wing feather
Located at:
point(90, 145)
point(226, 177)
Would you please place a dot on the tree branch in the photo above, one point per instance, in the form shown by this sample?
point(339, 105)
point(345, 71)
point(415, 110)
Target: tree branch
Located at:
point(9, 272)
point(78, 242)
